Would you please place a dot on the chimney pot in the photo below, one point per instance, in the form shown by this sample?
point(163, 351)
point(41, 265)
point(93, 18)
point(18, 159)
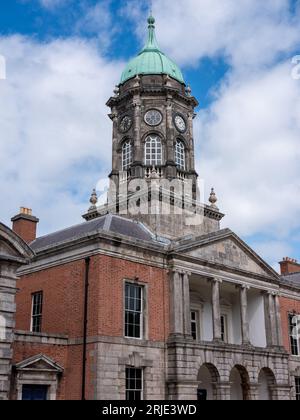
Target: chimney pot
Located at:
point(27, 212)
point(289, 266)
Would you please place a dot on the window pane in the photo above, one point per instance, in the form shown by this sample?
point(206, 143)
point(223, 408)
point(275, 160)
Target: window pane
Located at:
point(126, 155)
point(194, 325)
point(134, 384)
point(297, 385)
point(153, 151)
point(37, 308)
point(133, 311)
point(224, 328)
point(180, 154)
point(294, 342)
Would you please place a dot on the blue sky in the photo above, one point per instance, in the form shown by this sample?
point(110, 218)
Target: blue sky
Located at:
point(60, 20)
point(64, 58)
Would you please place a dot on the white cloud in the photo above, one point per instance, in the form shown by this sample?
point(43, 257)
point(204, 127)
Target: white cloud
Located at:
point(249, 140)
point(55, 132)
point(98, 21)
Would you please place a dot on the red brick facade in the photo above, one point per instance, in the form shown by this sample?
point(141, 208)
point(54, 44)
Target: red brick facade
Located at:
point(63, 311)
point(288, 306)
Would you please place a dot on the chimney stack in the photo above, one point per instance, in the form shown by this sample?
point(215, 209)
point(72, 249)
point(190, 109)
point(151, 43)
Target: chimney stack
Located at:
point(289, 266)
point(25, 225)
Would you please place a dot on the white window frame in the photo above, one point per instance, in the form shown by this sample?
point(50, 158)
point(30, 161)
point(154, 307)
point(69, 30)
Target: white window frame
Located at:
point(197, 322)
point(291, 315)
point(153, 145)
point(142, 332)
point(126, 155)
point(226, 311)
point(41, 313)
point(180, 155)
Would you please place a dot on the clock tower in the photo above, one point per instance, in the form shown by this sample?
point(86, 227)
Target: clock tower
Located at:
point(152, 111)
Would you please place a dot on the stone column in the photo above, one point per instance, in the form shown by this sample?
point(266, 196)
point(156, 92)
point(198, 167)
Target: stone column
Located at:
point(192, 152)
point(186, 305)
point(138, 155)
point(223, 391)
point(176, 304)
point(216, 310)
point(272, 319)
point(180, 304)
point(169, 155)
point(278, 321)
point(244, 315)
point(271, 327)
point(115, 155)
point(254, 391)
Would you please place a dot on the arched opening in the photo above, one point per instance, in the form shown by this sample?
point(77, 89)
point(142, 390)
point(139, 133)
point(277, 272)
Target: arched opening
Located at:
point(266, 383)
point(239, 384)
point(208, 378)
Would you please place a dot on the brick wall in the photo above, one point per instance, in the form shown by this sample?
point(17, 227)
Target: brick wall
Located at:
point(63, 304)
point(23, 351)
point(63, 292)
point(63, 298)
point(288, 306)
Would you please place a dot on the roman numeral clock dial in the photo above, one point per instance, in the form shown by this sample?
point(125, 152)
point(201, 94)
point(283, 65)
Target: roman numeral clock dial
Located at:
point(125, 124)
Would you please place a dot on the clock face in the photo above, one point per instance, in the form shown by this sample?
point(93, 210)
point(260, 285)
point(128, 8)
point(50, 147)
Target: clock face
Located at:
point(125, 124)
point(153, 117)
point(180, 123)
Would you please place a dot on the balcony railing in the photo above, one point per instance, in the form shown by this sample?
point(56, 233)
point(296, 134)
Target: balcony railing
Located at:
point(149, 171)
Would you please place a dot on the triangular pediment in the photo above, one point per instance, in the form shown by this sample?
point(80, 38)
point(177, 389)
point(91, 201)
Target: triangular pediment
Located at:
point(39, 363)
point(224, 248)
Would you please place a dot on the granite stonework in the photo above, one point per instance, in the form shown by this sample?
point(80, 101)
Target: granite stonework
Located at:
point(113, 356)
point(171, 368)
point(13, 254)
point(185, 360)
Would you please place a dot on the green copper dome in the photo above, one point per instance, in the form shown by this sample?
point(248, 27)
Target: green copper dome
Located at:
point(151, 60)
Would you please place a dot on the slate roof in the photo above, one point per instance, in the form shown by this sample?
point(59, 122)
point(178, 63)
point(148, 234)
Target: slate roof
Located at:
point(291, 280)
point(107, 223)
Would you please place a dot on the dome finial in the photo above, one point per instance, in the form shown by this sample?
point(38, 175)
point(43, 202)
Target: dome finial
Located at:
point(151, 20)
point(152, 42)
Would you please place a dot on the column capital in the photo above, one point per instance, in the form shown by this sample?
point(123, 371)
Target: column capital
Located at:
point(175, 271)
point(268, 293)
point(187, 273)
point(180, 271)
point(216, 280)
point(243, 286)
